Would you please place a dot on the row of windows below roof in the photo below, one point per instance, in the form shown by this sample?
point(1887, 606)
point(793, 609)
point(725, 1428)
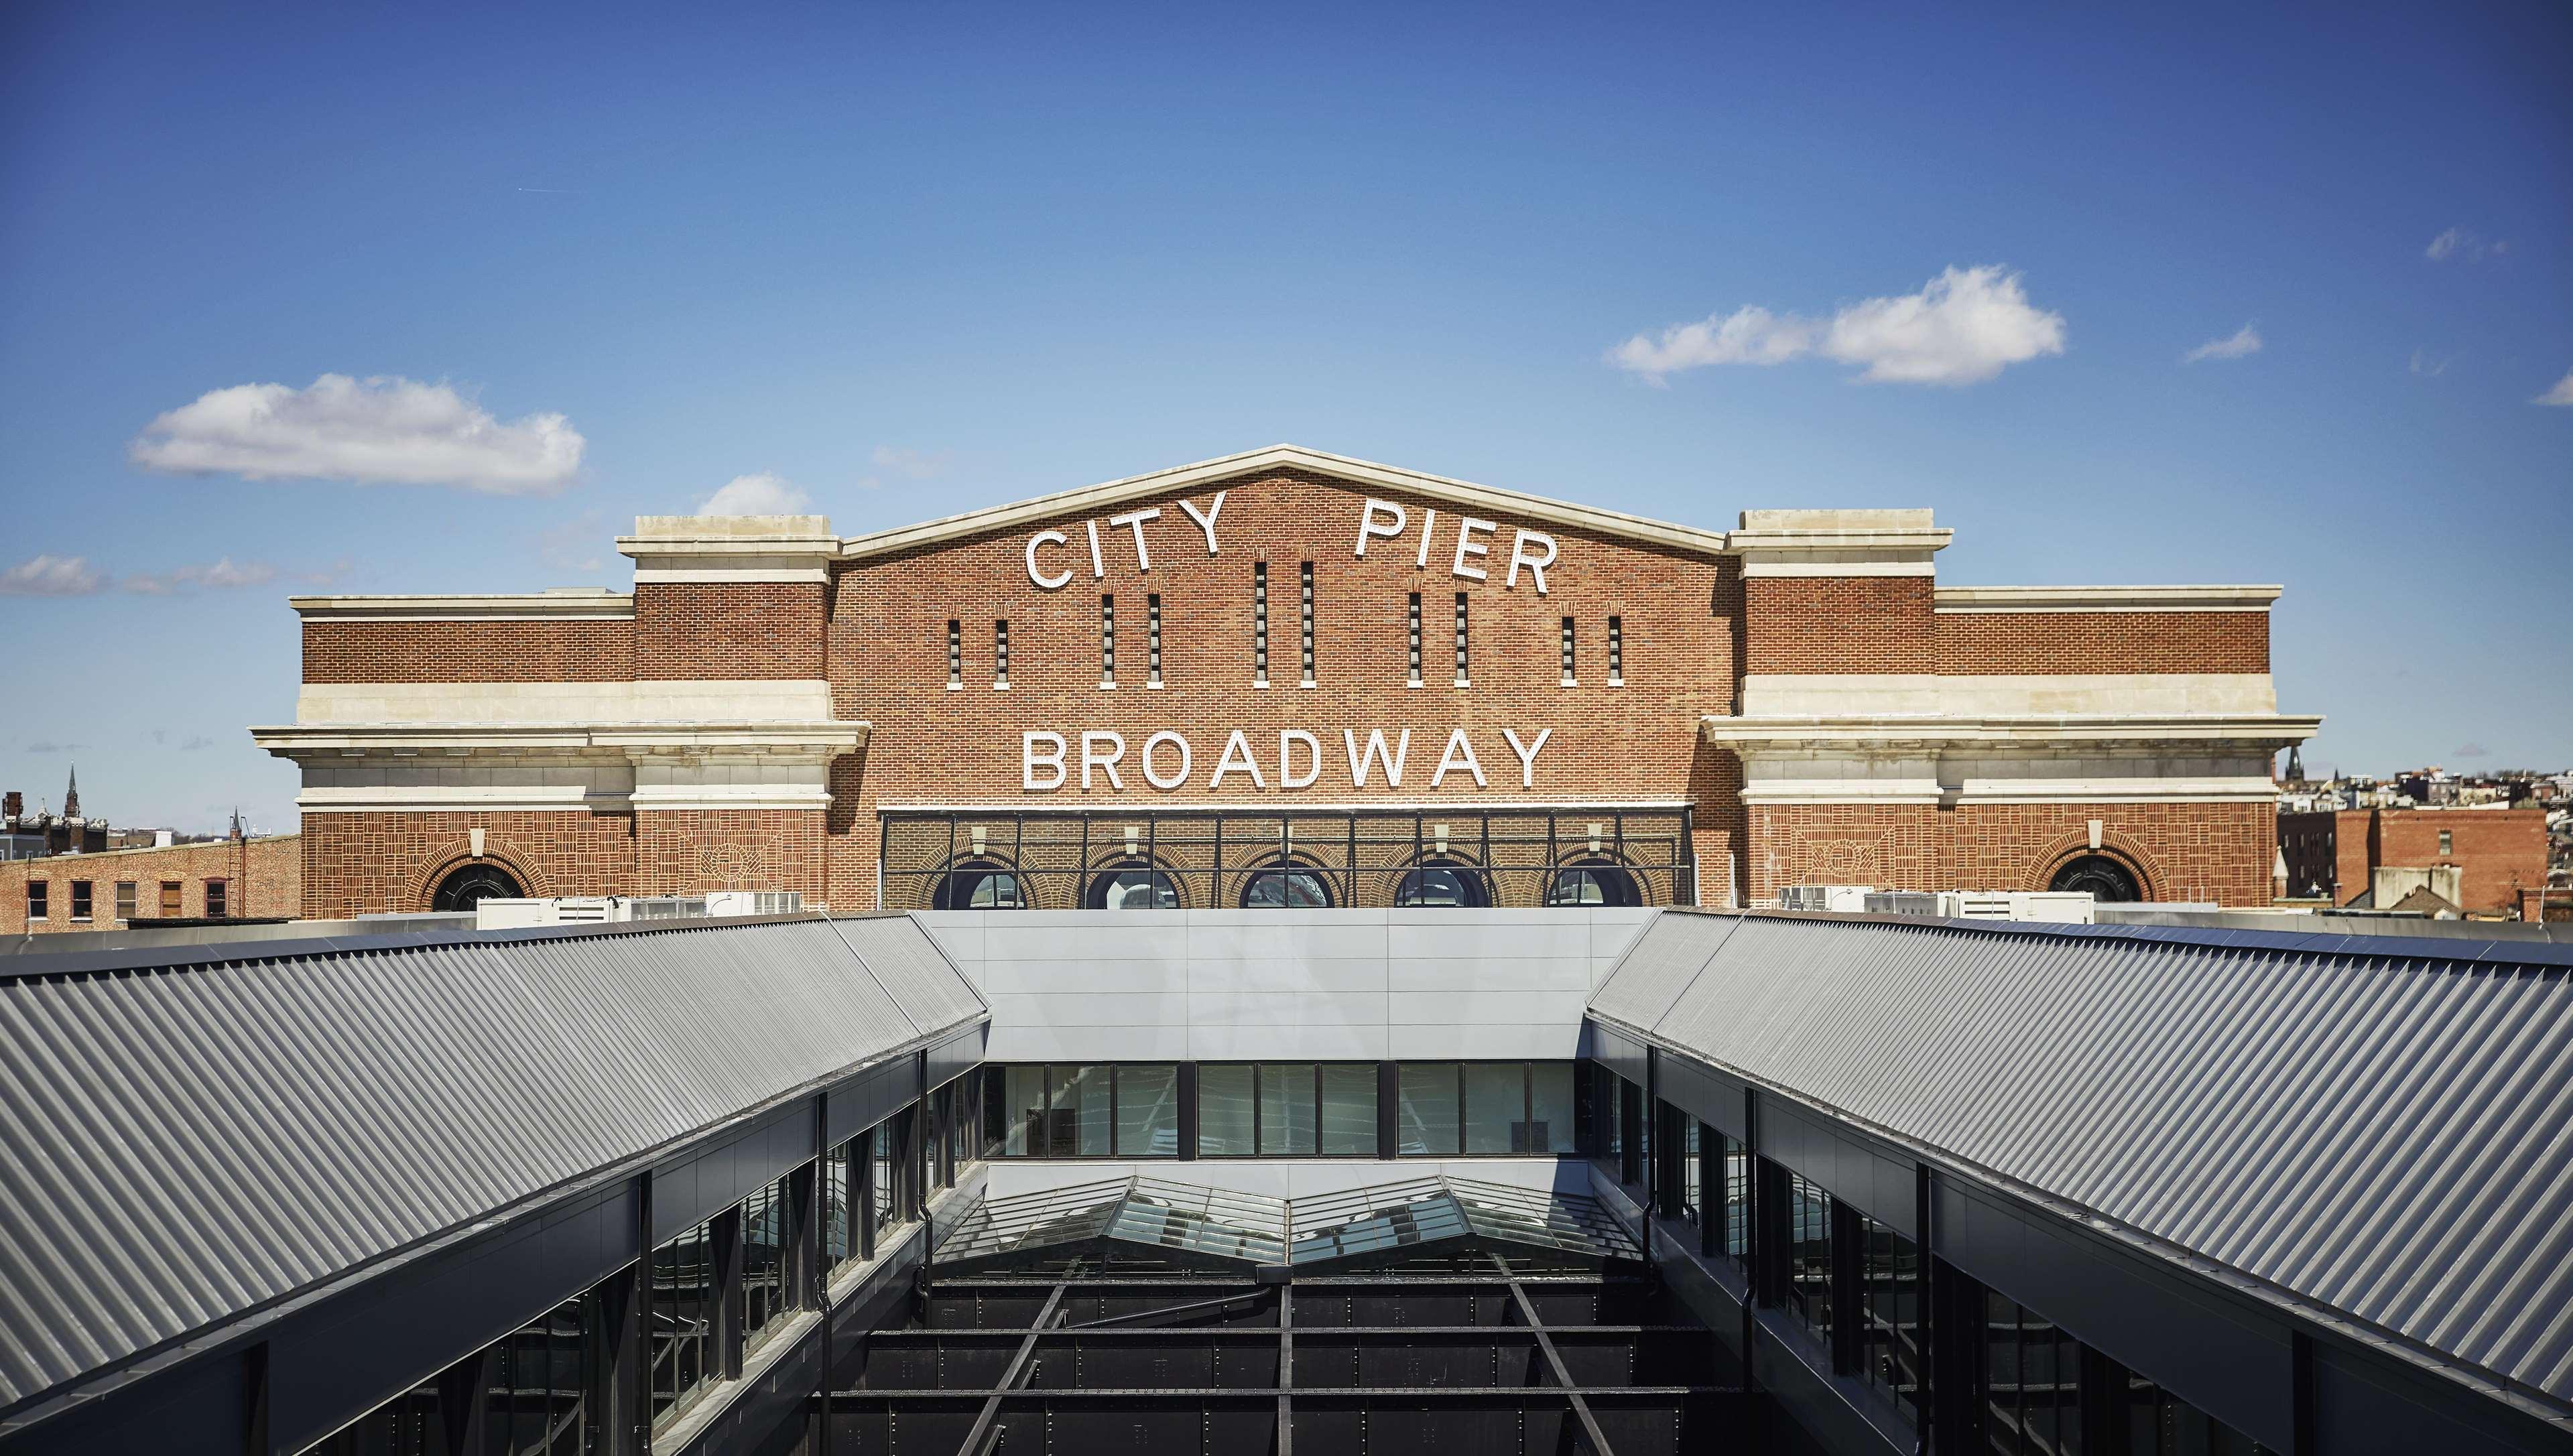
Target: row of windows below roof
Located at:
point(216, 896)
point(1287, 885)
point(1568, 655)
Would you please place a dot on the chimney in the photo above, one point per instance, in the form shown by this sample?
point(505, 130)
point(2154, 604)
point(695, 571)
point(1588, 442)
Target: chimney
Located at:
point(12, 804)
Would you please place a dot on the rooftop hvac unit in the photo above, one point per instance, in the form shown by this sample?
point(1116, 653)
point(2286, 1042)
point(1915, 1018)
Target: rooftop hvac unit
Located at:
point(2059, 906)
point(1902, 902)
point(1837, 899)
point(496, 914)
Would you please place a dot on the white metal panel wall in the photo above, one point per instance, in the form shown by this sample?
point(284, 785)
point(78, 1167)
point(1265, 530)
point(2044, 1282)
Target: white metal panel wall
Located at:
point(1318, 985)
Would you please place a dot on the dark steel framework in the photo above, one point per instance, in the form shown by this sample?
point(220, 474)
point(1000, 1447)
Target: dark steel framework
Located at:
point(1210, 856)
point(1495, 1358)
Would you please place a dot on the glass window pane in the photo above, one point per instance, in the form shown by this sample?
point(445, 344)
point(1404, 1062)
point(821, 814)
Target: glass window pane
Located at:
point(1023, 1114)
point(1148, 1111)
point(1287, 1108)
point(1078, 1118)
point(1426, 1116)
point(1496, 1107)
point(1223, 1111)
point(763, 1262)
point(1550, 1129)
point(1348, 1112)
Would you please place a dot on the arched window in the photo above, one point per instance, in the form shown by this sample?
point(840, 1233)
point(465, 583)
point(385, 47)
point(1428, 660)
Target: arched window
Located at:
point(1133, 885)
point(1286, 886)
point(2104, 878)
point(1442, 882)
point(980, 885)
point(1594, 882)
point(460, 890)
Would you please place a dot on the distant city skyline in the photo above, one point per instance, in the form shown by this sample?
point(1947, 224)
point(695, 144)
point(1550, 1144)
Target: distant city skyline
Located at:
point(311, 300)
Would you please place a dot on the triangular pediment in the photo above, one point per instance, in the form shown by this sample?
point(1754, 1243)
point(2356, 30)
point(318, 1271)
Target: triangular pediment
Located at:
point(1361, 476)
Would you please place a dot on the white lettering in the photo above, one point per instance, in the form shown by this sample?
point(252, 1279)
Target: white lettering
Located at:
point(1520, 558)
point(1206, 518)
point(1358, 763)
point(1134, 521)
point(1098, 568)
point(1368, 526)
point(1527, 754)
point(1288, 778)
point(1089, 756)
point(1047, 539)
point(1236, 759)
point(1429, 523)
point(1029, 761)
point(1175, 780)
point(1466, 545)
point(1460, 758)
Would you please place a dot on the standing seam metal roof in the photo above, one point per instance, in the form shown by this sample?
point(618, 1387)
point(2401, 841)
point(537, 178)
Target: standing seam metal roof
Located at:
point(2383, 1127)
point(187, 1143)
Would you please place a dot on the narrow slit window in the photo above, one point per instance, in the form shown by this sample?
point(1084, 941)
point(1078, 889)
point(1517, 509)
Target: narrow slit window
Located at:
point(1309, 624)
point(1568, 678)
point(1415, 639)
point(955, 654)
point(1616, 652)
point(1260, 624)
point(1000, 653)
point(1153, 638)
point(1463, 680)
point(1106, 642)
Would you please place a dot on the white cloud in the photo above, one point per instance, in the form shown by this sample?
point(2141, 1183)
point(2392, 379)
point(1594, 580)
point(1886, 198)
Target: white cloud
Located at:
point(223, 574)
point(2562, 393)
point(50, 577)
point(378, 431)
point(1964, 326)
point(2465, 245)
point(2246, 340)
point(760, 494)
point(2425, 365)
point(910, 463)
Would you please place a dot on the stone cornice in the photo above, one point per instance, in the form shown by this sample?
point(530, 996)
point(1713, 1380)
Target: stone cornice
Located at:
point(2105, 598)
point(1898, 733)
point(533, 606)
point(1092, 499)
point(632, 740)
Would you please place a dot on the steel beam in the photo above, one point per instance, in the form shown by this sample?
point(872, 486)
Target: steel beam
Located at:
point(986, 1431)
point(1554, 1360)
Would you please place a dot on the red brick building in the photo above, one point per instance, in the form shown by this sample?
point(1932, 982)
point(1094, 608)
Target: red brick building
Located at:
point(2499, 854)
point(1287, 676)
point(241, 878)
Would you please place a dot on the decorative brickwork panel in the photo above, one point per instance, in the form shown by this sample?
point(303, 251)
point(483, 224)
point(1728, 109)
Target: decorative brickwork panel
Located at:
point(569, 651)
point(367, 864)
point(728, 629)
point(2218, 852)
point(2041, 643)
point(1677, 626)
point(690, 851)
point(1837, 624)
point(260, 877)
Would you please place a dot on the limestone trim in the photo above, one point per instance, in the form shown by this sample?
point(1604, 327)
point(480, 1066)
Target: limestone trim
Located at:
point(1092, 499)
point(462, 799)
point(2260, 731)
point(647, 700)
point(1835, 694)
point(1838, 542)
point(539, 606)
point(2105, 598)
point(726, 549)
point(829, 739)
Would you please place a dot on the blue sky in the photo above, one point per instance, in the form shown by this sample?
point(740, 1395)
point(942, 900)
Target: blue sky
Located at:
point(915, 259)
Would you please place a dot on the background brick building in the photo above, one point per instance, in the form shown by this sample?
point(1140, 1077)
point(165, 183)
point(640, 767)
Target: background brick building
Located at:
point(2499, 854)
point(1286, 661)
point(240, 878)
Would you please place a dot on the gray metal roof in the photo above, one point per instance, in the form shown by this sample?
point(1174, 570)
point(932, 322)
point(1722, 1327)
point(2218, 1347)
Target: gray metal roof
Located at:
point(2383, 1127)
point(196, 1133)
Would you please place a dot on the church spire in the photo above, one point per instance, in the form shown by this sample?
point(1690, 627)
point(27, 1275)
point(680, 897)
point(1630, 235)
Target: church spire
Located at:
point(71, 796)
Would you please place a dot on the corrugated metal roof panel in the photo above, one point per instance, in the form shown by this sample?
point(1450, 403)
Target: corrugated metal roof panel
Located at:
point(2384, 1126)
point(184, 1145)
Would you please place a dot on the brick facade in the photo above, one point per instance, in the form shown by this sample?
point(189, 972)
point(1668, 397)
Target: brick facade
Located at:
point(746, 629)
point(2045, 643)
point(260, 877)
point(1839, 624)
point(492, 651)
point(2218, 852)
point(1677, 618)
point(944, 734)
point(2500, 851)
